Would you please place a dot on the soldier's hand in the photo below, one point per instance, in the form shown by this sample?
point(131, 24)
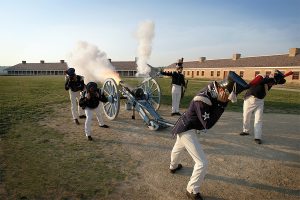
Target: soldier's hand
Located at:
point(88, 95)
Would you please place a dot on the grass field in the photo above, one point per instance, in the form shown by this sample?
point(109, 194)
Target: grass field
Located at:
point(37, 162)
point(277, 101)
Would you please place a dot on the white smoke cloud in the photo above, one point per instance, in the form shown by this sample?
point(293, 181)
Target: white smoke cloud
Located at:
point(145, 35)
point(92, 63)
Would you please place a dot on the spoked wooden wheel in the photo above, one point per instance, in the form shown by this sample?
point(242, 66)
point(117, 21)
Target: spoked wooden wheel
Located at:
point(112, 107)
point(152, 92)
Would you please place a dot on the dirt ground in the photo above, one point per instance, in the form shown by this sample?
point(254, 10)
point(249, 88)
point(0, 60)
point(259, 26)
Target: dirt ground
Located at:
point(238, 167)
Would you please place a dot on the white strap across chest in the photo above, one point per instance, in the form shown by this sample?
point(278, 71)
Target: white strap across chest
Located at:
point(203, 99)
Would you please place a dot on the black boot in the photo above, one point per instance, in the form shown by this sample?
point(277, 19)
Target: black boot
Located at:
point(244, 133)
point(76, 121)
point(258, 141)
point(194, 196)
point(172, 171)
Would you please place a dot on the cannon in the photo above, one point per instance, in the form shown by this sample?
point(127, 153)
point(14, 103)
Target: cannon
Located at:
point(144, 99)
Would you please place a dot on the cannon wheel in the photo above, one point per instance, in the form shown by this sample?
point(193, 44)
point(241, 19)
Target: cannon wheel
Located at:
point(112, 106)
point(152, 90)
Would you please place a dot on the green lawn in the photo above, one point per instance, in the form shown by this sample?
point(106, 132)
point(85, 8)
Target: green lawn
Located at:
point(37, 162)
point(276, 101)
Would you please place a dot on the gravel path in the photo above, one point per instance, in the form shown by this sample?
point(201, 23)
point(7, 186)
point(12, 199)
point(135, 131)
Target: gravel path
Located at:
point(238, 167)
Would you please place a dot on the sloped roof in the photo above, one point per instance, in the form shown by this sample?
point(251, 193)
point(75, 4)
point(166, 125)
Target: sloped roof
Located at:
point(260, 61)
point(125, 65)
point(38, 66)
point(119, 66)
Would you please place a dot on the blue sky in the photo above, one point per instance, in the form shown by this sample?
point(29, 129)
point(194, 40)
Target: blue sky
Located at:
point(35, 30)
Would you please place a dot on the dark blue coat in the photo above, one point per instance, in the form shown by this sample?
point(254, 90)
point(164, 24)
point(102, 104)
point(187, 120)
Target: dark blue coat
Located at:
point(177, 78)
point(94, 100)
point(75, 86)
point(259, 90)
point(202, 113)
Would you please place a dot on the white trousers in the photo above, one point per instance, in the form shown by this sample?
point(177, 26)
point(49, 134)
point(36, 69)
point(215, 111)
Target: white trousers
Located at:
point(189, 141)
point(89, 117)
point(75, 108)
point(252, 104)
point(176, 95)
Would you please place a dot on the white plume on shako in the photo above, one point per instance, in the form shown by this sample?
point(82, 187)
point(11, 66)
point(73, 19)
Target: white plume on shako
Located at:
point(144, 35)
point(92, 63)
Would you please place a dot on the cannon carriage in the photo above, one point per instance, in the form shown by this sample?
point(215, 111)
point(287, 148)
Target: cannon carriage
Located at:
point(143, 99)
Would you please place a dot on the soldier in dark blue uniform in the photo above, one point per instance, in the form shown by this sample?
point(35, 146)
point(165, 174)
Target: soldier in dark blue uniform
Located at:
point(74, 84)
point(89, 101)
point(203, 112)
point(177, 83)
point(254, 102)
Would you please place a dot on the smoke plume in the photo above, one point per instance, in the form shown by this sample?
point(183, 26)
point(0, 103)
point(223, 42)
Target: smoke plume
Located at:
point(145, 34)
point(92, 63)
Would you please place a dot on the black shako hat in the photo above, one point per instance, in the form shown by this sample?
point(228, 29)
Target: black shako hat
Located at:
point(234, 82)
point(179, 63)
point(91, 85)
point(70, 72)
point(279, 77)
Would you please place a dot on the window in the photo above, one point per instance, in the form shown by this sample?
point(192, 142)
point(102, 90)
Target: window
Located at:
point(211, 73)
point(202, 73)
point(295, 76)
point(184, 73)
point(242, 74)
point(218, 73)
point(268, 73)
point(198, 73)
point(256, 73)
point(188, 73)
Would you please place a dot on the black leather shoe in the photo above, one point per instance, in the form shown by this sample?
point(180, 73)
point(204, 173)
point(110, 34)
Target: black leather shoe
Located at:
point(177, 113)
point(194, 196)
point(104, 126)
point(82, 116)
point(172, 114)
point(90, 138)
point(172, 171)
point(258, 141)
point(244, 133)
point(76, 121)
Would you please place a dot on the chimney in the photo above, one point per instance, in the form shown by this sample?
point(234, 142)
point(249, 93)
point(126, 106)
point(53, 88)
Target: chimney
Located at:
point(136, 59)
point(62, 61)
point(42, 61)
point(202, 59)
point(23, 62)
point(236, 56)
point(293, 52)
point(109, 60)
